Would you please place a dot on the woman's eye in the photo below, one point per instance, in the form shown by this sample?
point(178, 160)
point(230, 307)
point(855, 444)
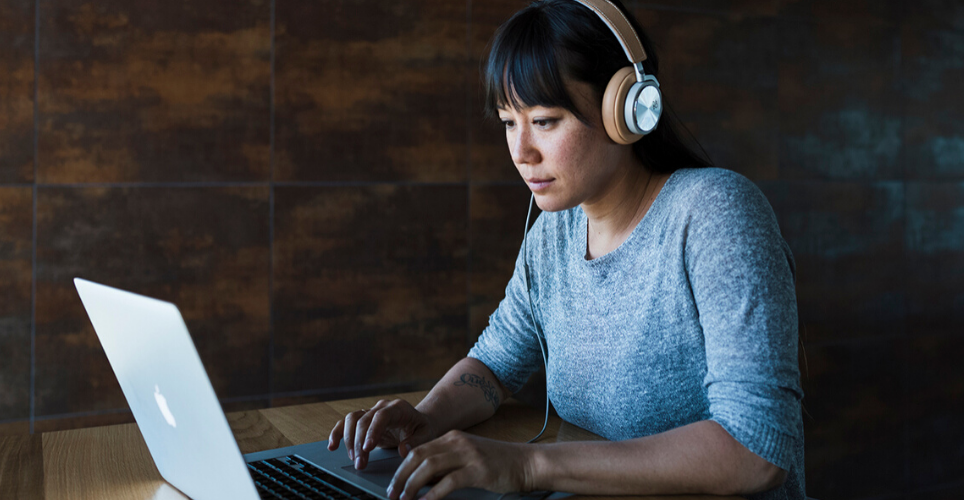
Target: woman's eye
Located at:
point(508, 123)
point(544, 122)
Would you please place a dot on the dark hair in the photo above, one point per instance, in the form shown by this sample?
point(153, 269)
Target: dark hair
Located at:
point(550, 40)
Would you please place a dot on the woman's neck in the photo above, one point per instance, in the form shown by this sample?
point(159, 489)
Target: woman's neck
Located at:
point(614, 217)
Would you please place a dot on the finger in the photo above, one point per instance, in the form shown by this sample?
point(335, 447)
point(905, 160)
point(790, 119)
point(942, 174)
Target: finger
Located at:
point(362, 430)
point(335, 435)
point(381, 419)
point(459, 478)
point(409, 464)
point(430, 468)
point(350, 421)
point(360, 434)
point(404, 449)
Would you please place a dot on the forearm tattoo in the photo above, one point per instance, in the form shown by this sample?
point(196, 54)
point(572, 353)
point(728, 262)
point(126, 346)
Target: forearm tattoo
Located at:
point(490, 391)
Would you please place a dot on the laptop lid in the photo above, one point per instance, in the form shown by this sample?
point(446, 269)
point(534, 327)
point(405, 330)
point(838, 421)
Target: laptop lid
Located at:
point(170, 395)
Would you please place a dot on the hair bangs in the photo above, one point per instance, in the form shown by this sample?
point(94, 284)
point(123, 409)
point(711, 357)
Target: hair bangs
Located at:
point(523, 67)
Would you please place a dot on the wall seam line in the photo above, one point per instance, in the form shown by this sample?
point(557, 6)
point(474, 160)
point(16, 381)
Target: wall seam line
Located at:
point(33, 236)
point(271, 186)
point(468, 173)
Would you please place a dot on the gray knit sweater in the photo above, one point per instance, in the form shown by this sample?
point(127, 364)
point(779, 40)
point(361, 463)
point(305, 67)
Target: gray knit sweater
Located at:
point(693, 317)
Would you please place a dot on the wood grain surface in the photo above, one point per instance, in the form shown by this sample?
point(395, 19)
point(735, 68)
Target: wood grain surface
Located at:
point(113, 461)
point(21, 466)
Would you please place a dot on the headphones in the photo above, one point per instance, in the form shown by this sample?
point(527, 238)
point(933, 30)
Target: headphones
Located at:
point(632, 103)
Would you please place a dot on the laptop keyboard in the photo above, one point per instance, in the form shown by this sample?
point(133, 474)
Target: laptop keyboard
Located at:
point(293, 477)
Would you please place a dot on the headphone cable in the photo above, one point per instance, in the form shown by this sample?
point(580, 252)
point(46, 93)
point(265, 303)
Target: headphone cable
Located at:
point(532, 314)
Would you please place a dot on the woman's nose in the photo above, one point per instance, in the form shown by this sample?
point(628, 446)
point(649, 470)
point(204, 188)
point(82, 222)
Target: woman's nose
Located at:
point(522, 149)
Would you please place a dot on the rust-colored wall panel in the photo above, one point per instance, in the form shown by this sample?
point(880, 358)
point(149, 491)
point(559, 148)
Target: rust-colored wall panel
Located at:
point(498, 219)
point(205, 249)
point(16, 90)
point(878, 10)
point(370, 284)
point(840, 111)
point(369, 90)
point(853, 419)
point(16, 229)
point(934, 407)
point(155, 91)
point(732, 8)
point(490, 154)
point(719, 74)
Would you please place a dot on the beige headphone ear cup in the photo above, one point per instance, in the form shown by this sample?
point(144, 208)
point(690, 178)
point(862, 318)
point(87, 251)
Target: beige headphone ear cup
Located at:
point(613, 107)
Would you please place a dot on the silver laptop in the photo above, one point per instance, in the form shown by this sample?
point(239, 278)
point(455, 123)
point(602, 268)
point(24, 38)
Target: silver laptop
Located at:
point(173, 402)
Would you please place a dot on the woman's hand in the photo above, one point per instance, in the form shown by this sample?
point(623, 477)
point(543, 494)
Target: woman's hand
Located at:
point(460, 460)
point(387, 424)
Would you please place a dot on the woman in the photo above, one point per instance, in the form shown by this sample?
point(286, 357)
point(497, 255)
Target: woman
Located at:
point(664, 293)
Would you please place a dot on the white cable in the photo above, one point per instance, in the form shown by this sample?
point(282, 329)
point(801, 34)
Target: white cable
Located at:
point(532, 314)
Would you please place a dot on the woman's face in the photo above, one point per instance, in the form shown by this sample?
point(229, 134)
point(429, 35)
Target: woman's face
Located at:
point(564, 161)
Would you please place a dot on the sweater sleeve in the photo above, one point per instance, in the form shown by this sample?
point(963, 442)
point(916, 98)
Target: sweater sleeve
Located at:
point(742, 275)
point(508, 346)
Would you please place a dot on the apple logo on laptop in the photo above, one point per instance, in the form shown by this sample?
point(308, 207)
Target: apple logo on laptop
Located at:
point(162, 404)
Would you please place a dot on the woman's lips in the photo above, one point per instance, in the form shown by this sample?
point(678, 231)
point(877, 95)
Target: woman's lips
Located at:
point(538, 184)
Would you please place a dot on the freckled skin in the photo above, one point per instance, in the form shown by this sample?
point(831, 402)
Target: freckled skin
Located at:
point(567, 162)
point(584, 165)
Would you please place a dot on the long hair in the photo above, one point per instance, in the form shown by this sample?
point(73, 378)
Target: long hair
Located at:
point(552, 40)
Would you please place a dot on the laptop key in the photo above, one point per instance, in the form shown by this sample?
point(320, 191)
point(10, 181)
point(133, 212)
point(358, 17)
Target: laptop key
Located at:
point(334, 481)
point(294, 477)
point(273, 484)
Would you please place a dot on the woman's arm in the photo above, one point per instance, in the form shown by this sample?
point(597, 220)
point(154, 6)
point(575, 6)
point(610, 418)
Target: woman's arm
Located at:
point(468, 394)
point(697, 458)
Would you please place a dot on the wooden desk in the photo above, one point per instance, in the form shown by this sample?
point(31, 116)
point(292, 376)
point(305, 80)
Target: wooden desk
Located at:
point(111, 462)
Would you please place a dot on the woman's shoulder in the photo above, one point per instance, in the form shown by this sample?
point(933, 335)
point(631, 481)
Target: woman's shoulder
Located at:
point(716, 192)
point(712, 181)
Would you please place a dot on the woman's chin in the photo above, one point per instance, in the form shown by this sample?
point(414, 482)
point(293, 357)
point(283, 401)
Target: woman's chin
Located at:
point(551, 204)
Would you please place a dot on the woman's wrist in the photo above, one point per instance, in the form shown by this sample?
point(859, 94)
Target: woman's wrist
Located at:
point(431, 422)
point(536, 468)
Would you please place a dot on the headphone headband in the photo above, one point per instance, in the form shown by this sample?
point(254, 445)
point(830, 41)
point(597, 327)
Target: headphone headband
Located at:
point(619, 25)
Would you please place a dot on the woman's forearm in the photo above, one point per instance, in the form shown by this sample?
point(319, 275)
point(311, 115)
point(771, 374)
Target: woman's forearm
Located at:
point(468, 394)
point(697, 458)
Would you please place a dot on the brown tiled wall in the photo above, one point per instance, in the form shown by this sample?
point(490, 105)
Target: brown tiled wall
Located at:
point(335, 217)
